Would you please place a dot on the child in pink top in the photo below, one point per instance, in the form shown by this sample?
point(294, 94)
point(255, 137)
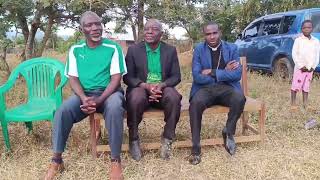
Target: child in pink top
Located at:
point(305, 54)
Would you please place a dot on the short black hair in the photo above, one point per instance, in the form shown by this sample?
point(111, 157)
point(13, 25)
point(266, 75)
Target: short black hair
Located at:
point(210, 23)
point(306, 21)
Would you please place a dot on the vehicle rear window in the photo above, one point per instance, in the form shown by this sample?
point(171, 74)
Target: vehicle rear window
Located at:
point(271, 27)
point(315, 18)
point(287, 23)
point(252, 31)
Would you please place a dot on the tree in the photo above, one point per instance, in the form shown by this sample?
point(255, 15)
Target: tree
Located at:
point(31, 16)
point(181, 13)
point(126, 12)
point(4, 43)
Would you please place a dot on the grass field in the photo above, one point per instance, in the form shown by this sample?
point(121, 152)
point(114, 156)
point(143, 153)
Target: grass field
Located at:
point(290, 151)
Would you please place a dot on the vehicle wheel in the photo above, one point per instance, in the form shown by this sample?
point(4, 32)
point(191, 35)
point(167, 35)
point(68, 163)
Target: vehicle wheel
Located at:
point(283, 69)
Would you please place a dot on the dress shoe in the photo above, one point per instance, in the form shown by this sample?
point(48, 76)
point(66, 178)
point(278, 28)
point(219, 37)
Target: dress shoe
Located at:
point(135, 151)
point(53, 170)
point(166, 147)
point(116, 171)
point(229, 143)
point(194, 159)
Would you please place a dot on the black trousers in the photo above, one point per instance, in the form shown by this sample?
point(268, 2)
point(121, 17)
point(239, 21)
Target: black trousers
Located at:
point(138, 102)
point(207, 96)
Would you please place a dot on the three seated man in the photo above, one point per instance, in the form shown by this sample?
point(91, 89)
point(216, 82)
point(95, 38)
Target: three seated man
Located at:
point(151, 71)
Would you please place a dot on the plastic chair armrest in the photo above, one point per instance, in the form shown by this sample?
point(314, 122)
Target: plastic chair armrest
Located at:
point(9, 84)
point(58, 93)
point(2, 106)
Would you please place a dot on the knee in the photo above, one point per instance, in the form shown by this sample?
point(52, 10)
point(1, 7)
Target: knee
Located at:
point(239, 99)
point(64, 109)
point(69, 105)
point(171, 95)
point(196, 103)
point(115, 102)
point(137, 97)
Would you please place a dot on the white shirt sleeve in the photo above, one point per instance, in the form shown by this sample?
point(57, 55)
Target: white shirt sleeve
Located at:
point(72, 64)
point(115, 65)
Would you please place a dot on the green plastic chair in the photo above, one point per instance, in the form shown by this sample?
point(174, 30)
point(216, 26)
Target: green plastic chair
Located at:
point(43, 97)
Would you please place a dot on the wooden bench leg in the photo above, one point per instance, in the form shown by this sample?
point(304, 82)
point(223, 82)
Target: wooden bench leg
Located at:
point(93, 139)
point(244, 118)
point(262, 121)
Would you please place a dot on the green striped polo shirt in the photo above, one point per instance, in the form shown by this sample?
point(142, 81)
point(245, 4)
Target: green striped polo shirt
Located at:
point(95, 66)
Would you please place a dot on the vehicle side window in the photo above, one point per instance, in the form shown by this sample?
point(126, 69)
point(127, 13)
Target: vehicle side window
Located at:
point(252, 31)
point(271, 27)
point(287, 23)
point(315, 18)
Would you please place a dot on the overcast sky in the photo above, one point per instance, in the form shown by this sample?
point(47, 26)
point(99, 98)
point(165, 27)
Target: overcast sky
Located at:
point(177, 32)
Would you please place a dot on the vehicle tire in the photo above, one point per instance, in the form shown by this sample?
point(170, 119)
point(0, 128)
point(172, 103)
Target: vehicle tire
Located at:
point(283, 69)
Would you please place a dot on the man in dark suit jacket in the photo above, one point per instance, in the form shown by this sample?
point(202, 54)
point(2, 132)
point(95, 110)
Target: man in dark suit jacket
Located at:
point(153, 72)
point(216, 74)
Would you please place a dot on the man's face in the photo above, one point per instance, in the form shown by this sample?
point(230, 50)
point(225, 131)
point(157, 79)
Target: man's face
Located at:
point(307, 29)
point(152, 32)
point(92, 28)
point(212, 35)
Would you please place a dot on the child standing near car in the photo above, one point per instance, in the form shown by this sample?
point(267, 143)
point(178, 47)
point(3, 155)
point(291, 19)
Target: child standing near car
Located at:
point(305, 54)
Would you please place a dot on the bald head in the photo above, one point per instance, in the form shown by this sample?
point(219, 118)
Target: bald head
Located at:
point(154, 22)
point(86, 15)
point(152, 32)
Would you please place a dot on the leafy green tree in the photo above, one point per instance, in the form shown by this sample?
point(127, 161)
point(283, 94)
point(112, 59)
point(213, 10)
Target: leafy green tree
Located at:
point(31, 16)
point(177, 13)
point(5, 43)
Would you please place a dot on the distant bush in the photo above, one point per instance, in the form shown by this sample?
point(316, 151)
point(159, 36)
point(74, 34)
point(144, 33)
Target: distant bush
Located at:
point(64, 45)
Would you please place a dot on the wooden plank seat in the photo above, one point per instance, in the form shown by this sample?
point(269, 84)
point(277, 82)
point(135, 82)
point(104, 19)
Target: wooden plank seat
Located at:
point(252, 105)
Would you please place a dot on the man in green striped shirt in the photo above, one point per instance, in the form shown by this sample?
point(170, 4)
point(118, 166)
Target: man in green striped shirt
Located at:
point(94, 68)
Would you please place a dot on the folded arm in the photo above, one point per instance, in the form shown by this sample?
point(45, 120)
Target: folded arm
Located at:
point(227, 75)
point(197, 69)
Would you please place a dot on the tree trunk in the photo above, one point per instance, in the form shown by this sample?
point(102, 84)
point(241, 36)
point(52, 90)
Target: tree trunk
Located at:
point(31, 38)
point(134, 32)
point(140, 19)
point(25, 31)
point(46, 36)
point(3, 63)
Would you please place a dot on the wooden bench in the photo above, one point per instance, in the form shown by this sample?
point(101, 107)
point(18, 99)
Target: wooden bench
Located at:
point(252, 105)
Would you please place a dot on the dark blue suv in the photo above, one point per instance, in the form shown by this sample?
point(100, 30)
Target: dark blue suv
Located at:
point(267, 41)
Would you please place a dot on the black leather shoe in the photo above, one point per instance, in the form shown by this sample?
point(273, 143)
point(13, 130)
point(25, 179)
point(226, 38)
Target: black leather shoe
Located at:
point(165, 150)
point(194, 159)
point(135, 151)
point(228, 142)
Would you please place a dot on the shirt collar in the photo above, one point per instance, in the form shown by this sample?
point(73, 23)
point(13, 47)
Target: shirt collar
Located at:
point(216, 48)
point(304, 37)
point(148, 48)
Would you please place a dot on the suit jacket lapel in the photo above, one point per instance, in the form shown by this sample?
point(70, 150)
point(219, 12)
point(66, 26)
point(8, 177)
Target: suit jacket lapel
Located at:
point(163, 59)
point(208, 54)
point(225, 52)
point(143, 60)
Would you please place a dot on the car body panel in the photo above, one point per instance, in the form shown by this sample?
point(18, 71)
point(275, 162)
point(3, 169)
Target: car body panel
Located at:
point(264, 49)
